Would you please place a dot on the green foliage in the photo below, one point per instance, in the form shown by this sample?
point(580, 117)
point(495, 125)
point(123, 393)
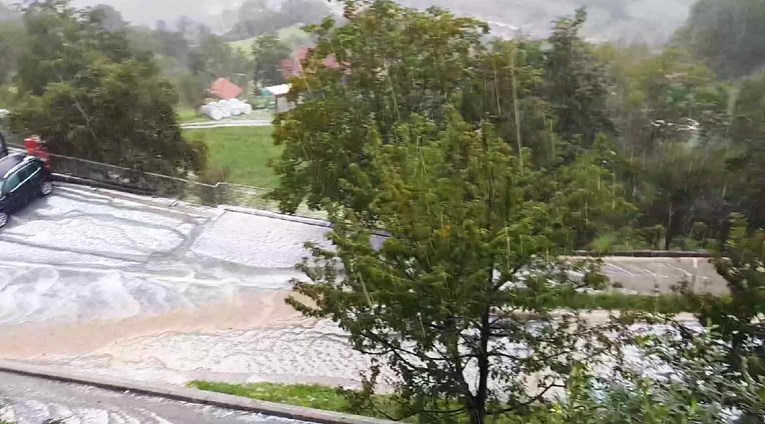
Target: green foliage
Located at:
point(697, 364)
point(60, 41)
point(310, 396)
point(11, 43)
point(470, 238)
point(268, 52)
point(641, 400)
point(396, 63)
point(728, 35)
point(192, 92)
point(214, 58)
point(662, 304)
point(575, 84)
point(673, 116)
point(742, 264)
point(403, 63)
point(746, 159)
point(89, 95)
point(587, 401)
point(118, 113)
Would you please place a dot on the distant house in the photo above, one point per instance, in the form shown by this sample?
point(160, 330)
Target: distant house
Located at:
point(279, 93)
point(225, 89)
point(294, 67)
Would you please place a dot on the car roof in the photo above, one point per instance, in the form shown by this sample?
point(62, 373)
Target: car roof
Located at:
point(8, 163)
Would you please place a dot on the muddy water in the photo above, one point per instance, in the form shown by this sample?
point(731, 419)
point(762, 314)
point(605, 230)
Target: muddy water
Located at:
point(128, 286)
point(152, 290)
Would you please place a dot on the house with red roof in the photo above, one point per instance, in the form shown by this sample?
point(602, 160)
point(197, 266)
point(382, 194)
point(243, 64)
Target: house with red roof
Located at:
point(225, 89)
point(294, 67)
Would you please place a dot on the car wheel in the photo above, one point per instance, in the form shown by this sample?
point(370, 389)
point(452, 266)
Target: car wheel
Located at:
point(46, 188)
point(3, 219)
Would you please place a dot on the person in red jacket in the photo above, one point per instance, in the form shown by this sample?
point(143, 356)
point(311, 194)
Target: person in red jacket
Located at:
point(36, 147)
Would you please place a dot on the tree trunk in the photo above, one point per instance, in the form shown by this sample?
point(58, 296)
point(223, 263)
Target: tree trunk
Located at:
point(477, 408)
point(668, 232)
point(517, 116)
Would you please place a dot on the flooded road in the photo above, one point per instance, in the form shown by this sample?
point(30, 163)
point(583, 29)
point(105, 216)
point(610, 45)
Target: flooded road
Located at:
point(162, 292)
point(158, 291)
point(28, 400)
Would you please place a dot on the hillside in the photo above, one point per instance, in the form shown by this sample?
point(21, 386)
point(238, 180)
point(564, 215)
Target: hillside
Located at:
point(648, 21)
point(292, 36)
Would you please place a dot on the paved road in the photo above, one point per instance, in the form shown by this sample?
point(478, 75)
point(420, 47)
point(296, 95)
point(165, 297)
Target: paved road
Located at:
point(29, 400)
point(227, 124)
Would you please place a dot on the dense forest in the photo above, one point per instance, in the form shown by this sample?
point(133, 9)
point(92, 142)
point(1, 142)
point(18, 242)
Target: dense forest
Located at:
point(674, 133)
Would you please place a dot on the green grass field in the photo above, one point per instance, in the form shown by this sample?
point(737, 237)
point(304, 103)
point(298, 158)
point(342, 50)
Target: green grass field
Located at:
point(292, 36)
point(240, 155)
point(187, 114)
point(326, 398)
point(310, 396)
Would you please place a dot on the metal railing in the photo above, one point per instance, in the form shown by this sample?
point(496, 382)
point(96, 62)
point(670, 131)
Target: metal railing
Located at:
point(116, 177)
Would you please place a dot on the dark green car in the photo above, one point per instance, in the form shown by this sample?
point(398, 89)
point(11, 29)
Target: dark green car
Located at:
point(22, 179)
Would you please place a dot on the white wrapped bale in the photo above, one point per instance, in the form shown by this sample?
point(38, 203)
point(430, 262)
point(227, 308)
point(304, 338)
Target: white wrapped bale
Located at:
point(217, 115)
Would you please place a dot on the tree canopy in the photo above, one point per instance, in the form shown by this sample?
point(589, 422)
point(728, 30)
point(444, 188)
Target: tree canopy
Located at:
point(728, 35)
point(268, 52)
point(458, 170)
point(89, 95)
point(470, 248)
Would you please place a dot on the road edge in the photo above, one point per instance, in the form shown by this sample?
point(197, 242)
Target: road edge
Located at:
point(186, 395)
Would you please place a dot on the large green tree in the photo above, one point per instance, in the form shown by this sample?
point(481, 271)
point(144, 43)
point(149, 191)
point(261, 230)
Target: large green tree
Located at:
point(746, 158)
point(258, 17)
point(214, 58)
point(11, 43)
point(674, 129)
point(118, 113)
point(393, 63)
point(62, 40)
point(90, 95)
point(268, 52)
point(452, 299)
point(575, 85)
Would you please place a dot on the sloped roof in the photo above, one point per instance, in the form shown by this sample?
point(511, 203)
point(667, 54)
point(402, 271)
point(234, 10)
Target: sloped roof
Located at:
point(225, 89)
point(294, 67)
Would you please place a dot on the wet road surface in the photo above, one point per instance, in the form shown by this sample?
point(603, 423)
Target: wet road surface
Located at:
point(29, 400)
point(159, 291)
